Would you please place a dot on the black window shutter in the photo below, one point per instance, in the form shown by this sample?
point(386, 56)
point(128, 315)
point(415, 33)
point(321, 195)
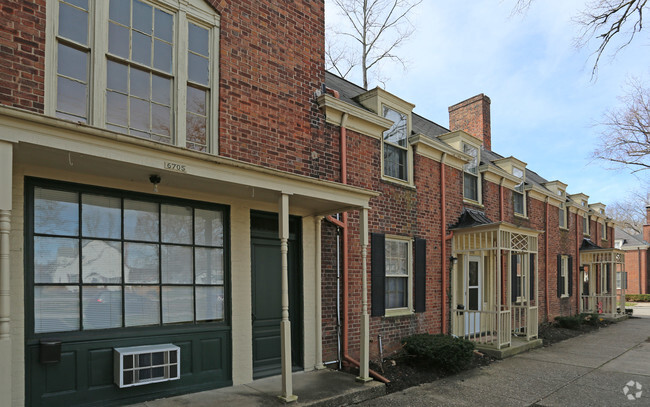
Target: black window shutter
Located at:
point(560, 280)
point(420, 289)
point(377, 274)
point(532, 277)
point(514, 292)
point(570, 272)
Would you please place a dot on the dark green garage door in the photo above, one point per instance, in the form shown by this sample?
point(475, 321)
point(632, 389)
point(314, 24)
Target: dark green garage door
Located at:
point(108, 269)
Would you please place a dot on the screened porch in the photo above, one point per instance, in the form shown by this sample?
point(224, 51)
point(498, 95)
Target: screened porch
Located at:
point(600, 269)
point(494, 281)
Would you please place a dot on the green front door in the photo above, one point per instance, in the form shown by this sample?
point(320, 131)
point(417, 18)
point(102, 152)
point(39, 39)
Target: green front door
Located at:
point(266, 294)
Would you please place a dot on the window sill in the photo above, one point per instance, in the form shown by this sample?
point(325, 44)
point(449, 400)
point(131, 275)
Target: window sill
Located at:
point(397, 182)
point(397, 312)
point(521, 216)
point(564, 229)
point(564, 296)
point(586, 235)
point(473, 203)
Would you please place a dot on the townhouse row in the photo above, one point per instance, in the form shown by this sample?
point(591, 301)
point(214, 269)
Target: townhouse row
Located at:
point(189, 201)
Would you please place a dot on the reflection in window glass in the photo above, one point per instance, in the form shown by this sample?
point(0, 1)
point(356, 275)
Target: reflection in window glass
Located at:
point(102, 307)
point(131, 261)
point(56, 308)
point(397, 273)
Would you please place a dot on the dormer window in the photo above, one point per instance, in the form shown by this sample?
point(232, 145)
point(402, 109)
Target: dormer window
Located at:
point(563, 212)
point(518, 194)
point(470, 173)
point(396, 145)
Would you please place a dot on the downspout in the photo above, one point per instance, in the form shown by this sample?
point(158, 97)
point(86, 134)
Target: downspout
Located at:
point(501, 212)
point(343, 224)
point(546, 262)
point(443, 251)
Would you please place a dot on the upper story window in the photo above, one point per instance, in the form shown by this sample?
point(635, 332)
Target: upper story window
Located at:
point(585, 224)
point(396, 145)
point(603, 234)
point(151, 64)
point(470, 173)
point(518, 195)
point(563, 212)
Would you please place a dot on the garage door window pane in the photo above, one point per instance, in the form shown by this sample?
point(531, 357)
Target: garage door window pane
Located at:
point(56, 309)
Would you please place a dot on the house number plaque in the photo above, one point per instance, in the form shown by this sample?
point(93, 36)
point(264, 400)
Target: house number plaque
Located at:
point(174, 167)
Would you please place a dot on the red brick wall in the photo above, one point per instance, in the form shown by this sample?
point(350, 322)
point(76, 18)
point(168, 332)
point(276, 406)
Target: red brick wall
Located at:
point(473, 117)
point(268, 72)
point(22, 54)
point(636, 266)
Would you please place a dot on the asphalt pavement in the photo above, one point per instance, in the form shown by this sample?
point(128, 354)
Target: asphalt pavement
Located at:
point(608, 367)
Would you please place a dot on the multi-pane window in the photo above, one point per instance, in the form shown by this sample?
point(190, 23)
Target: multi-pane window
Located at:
point(154, 61)
point(564, 275)
point(396, 145)
point(519, 202)
point(139, 70)
point(73, 51)
point(519, 278)
point(603, 234)
point(585, 224)
point(103, 260)
point(397, 273)
point(470, 173)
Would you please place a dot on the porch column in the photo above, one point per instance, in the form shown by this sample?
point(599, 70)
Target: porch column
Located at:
point(285, 325)
point(612, 284)
point(319, 310)
point(364, 357)
point(6, 157)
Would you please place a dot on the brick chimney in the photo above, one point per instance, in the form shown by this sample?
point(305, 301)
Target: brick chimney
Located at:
point(473, 117)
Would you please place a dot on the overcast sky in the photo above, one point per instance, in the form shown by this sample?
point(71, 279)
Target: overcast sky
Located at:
point(544, 101)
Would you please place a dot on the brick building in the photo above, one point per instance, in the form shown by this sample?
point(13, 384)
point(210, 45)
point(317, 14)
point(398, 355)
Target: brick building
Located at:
point(182, 199)
point(635, 247)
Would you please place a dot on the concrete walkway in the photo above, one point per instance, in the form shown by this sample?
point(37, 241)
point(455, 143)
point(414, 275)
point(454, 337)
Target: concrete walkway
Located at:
point(589, 370)
point(321, 388)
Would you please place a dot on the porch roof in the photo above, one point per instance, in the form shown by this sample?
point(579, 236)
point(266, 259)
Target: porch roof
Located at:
point(591, 253)
point(472, 220)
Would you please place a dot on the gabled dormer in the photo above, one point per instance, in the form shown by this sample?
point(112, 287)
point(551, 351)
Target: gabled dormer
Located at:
point(397, 154)
point(558, 189)
point(471, 146)
point(517, 169)
point(581, 203)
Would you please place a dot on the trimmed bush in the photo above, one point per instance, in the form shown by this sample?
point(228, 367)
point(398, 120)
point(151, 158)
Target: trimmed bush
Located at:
point(637, 297)
point(591, 319)
point(572, 322)
point(446, 352)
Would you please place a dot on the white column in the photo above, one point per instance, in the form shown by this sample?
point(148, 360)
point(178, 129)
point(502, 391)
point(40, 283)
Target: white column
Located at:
point(318, 306)
point(6, 157)
point(285, 325)
point(364, 357)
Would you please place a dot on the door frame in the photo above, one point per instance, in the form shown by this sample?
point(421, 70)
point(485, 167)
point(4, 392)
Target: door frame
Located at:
point(479, 288)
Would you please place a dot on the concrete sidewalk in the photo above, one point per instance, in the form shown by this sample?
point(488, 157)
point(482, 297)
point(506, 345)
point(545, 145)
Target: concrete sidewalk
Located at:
point(320, 388)
point(589, 370)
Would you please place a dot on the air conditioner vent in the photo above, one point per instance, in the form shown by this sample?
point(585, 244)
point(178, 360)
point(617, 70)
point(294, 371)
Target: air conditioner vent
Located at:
point(138, 365)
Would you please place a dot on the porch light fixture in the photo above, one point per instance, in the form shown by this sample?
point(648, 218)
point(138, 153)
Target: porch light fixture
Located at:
point(155, 180)
point(453, 259)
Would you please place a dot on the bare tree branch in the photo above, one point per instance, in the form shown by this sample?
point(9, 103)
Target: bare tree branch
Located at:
point(379, 26)
point(604, 20)
point(629, 212)
point(625, 139)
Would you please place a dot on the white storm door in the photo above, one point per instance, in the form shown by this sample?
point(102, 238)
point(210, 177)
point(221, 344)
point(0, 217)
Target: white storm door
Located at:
point(473, 290)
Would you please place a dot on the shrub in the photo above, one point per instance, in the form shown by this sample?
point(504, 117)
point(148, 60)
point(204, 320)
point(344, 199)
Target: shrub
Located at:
point(637, 297)
point(572, 322)
point(591, 319)
point(446, 352)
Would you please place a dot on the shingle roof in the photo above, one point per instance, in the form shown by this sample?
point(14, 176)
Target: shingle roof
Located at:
point(470, 218)
point(587, 244)
point(629, 239)
point(421, 125)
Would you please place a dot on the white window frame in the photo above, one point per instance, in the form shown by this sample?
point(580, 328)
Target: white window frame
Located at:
point(522, 192)
point(603, 234)
point(477, 175)
point(409, 283)
point(408, 150)
point(195, 11)
point(585, 224)
point(564, 275)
